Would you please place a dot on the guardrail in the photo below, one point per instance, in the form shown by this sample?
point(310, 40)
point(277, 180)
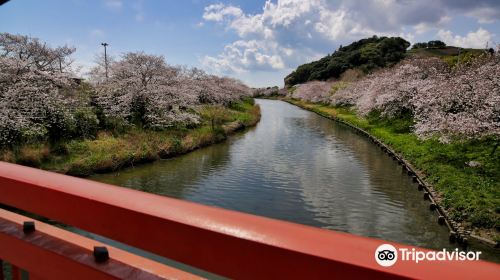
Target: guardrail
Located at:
point(223, 242)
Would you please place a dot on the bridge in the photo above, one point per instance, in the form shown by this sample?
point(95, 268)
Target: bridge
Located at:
point(223, 242)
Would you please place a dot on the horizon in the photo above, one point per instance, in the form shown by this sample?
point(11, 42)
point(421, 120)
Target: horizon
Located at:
point(259, 42)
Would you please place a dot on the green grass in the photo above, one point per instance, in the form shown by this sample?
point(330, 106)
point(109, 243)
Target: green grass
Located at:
point(111, 151)
point(451, 55)
point(470, 194)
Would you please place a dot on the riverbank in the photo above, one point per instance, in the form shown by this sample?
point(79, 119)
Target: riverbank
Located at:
point(462, 178)
point(112, 150)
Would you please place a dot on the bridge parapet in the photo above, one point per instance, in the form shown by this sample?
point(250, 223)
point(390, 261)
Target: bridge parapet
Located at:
point(224, 242)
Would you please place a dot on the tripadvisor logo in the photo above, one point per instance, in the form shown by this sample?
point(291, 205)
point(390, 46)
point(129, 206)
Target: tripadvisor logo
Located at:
point(387, 255)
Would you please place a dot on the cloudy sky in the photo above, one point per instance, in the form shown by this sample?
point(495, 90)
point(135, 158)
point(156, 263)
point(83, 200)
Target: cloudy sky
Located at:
point(258, 42)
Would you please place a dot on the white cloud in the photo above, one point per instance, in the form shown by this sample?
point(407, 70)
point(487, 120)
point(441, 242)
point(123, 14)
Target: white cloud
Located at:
point(287, 33)
point(217, 12)
point(477, 39)
point(340, 24)
point(263, 37)
point(242, 55)
point(424, 27)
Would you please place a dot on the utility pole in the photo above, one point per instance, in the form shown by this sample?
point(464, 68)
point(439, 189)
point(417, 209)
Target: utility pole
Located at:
point(105, 59)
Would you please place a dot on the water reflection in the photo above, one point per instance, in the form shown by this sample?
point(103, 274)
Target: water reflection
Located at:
point(300, 167)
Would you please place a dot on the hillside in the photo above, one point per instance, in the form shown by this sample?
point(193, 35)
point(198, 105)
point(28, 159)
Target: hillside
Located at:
point(449, 54)
point(366, 54)
point(373, 53)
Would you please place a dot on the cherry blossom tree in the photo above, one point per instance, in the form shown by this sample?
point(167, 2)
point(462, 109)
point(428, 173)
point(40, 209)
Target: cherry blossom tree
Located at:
point(36, 54)
point(314, 91)
point(33, 80)
point(458, 103)
point(465, 103)
point(144, 89)
point(391, 90)
point(39, 99)
point(212, 89)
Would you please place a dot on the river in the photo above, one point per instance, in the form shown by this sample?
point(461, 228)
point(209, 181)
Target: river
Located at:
point(299, 167)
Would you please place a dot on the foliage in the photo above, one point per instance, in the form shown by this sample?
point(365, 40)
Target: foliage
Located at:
point(86, 123)
point(464, 57)
point(436, 44)
point(465, 103)
point(40, 100)
point(111, 151)
point(366, 54)
point(144, 90)
point(460, 102)
point(430, 44)
point(214, 114)
point(33, 83)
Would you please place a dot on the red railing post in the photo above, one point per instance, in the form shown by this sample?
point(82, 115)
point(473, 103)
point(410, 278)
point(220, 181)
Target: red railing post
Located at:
point(16, 273)
point(48, 252)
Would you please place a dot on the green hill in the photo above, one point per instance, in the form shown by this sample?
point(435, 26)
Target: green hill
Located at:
point(372, 53)
point(366, 54)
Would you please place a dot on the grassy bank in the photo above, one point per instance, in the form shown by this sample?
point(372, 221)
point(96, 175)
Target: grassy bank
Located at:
point(470, 192)
point(113, 150)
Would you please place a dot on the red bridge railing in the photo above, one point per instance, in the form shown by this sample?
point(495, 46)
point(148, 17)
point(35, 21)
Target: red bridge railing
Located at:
point(227, 243)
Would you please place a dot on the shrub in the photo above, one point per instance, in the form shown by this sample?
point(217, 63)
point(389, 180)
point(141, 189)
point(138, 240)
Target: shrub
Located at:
point(86, 123)
point(214, 114)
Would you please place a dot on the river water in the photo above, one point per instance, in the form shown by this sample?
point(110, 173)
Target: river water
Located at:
point(299, 167)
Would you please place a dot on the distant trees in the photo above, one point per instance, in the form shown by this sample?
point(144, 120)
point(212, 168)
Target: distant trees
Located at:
point(39, 99)
point(436, 44)
point(422, 45)
point(269, 91)
point(431, 44)
point(315, 91)
point(366, 54)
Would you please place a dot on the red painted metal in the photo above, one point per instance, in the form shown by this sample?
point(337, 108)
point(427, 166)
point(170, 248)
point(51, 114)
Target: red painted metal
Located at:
point(225, 242)
point(53, 253)
point(15, 273)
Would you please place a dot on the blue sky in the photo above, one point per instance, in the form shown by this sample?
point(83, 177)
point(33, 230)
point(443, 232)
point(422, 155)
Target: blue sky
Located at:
point(258, 42)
